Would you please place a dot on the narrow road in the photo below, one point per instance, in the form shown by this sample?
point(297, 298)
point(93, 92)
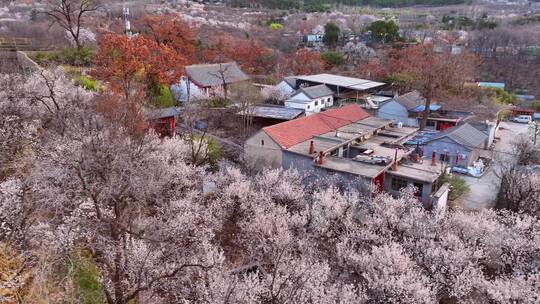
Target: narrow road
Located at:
point(484, 190)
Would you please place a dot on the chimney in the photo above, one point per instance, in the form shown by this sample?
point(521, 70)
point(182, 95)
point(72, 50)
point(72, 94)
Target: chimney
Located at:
point(320, 160)
point(394, 164)
point(311, 147)
point(433, 162)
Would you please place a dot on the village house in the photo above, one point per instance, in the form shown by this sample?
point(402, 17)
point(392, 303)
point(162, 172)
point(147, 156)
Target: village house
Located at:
point(347, 144)
point(408, 109)
point(345, 89)
point(459, 146)
point(311, 99)
point(203, 81)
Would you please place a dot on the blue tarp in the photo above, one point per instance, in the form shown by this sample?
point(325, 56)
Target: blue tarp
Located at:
point(420, 108)
point(422, 137)
point(495, 85)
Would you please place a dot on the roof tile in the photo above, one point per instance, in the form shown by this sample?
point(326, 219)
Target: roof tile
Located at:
point(292, 132)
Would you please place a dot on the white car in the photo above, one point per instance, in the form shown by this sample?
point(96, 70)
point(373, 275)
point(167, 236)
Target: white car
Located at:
point(523, 118)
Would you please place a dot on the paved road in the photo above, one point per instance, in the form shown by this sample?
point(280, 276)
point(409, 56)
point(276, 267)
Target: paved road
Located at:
point(484, 190)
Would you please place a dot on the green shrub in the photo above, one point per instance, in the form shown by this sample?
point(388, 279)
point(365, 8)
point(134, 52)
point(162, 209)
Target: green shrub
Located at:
point(276, 26)
point(71, 56)
point(536, 105)
point(384, 31)
point(87, 83)
point(333, 58)
point(504, 97)
point(165, 98)
point(215, 152)
point(458, 186)
point(85, 277)
point(504, 114)
point(217, 102)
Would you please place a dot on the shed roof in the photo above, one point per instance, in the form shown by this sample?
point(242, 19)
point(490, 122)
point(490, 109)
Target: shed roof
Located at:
point(496, 85)
point(207, 75)
point(274, 112)
point(342, 81)
point(292, 132)
point(465, 135)
point(314, 92)
point(410, 100)
point(162, 113)
point(291, 81)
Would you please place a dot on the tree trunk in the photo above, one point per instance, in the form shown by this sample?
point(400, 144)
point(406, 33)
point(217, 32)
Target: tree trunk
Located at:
point(425, 114)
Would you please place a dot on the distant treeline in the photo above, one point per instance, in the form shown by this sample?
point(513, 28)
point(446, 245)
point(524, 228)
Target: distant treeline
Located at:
point(319, 5)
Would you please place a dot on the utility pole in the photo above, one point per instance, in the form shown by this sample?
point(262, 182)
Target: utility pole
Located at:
point(127, 23)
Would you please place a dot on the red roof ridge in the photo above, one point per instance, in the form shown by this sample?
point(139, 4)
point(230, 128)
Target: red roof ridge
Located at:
point(290, 133)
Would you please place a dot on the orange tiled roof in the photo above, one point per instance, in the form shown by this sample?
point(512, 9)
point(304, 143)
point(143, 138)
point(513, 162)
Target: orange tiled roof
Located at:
point(290, 133)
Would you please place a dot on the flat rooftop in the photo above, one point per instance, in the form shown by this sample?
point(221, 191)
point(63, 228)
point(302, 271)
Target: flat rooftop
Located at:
point(342, 81)
point(347, 165)
point(360, 136)
point(422, 171)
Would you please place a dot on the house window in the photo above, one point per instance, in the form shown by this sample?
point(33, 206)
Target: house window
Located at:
point(308, 107)
point(316, 103)
point(398, 183)
point(430, 123)
point(262, 142)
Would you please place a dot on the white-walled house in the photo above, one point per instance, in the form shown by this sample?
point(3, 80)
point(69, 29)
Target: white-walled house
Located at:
point(287, 86)
point(202, 81)
point(311, 99)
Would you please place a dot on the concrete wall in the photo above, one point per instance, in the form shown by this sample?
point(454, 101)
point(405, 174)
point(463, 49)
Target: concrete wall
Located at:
point(396, 112)
point(439, 199)
point(426, 187)
point(262, 151)
point(446, 144)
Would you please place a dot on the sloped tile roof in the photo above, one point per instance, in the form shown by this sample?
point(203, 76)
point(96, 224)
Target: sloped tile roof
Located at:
point(207, 75)
point(292, 132)
point(410, 100)
point(465, 135)
point(315, 92)
point(162, 113)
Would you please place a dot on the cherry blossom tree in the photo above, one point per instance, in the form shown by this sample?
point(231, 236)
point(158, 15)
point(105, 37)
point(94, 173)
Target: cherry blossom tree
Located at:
point(97, 182)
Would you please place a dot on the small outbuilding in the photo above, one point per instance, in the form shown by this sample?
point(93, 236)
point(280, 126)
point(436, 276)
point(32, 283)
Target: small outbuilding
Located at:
point(163, 121)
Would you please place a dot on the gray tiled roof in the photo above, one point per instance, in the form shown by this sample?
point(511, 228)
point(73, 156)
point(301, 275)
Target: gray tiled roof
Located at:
point(410, 100)
point(162, 113)
point(290, 81)
point(465, 135)
point(315, 91)
point(275, 112)
point(207, 75)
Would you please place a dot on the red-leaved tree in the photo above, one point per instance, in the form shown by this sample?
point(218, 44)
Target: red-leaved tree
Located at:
point(128, 65)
